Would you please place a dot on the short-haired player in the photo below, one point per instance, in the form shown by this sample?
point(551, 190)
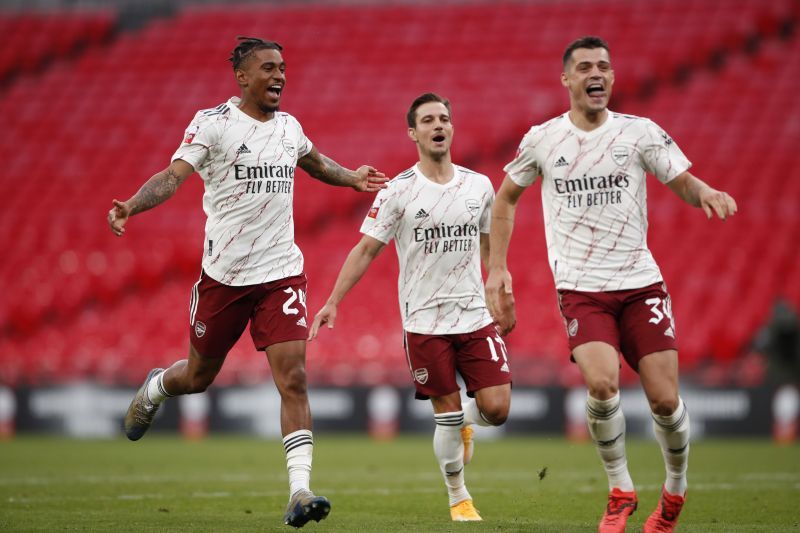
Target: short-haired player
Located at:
point(438, 214)
point(593, 163)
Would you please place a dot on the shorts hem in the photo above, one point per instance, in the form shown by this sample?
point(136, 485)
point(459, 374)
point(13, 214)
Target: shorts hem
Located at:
point(422, 396)
point(471, 392)
point(204, 356)
point(290, 338)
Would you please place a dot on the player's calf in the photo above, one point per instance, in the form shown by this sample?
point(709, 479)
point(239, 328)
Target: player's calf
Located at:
point(673, 435)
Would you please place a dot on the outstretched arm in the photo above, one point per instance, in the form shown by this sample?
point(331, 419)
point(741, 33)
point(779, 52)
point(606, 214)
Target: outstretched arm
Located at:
point(697, 193)
point(499, 297)
point(325, 169)
point(155, 191)
point(357, 262)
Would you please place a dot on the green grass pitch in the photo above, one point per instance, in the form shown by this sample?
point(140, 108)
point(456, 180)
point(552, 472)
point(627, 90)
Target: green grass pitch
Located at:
point(239, 484)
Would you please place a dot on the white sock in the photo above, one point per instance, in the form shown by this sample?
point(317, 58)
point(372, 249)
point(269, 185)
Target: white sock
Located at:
point(155, 389)
point(473, 415)
point(607, 428)
point(672, 433)
point(299, 447)
point(449, 451)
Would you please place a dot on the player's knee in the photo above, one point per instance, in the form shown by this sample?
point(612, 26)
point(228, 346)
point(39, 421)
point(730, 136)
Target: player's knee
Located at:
point(602, 387)
point(495, 411)
point(664, 406)
point(496, 417)
point(293, 382)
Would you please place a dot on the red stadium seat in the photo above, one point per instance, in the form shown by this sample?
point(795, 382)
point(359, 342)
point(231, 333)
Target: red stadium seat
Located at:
point(122, 110)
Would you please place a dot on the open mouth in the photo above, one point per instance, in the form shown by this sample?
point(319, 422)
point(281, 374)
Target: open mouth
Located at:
point(438, 138)
point(595, 90)
point(275, 90)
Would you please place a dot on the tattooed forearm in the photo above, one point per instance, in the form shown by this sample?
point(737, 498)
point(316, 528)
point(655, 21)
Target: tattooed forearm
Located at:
point(335, 174)
point(156, 190)
point(327, 170)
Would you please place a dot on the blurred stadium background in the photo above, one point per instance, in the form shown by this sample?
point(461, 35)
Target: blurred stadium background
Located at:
point(95, 97)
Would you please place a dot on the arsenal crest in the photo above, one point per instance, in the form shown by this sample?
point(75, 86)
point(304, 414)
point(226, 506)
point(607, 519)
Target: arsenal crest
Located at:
point(289, 147)
point(572, 328)
point(620, 155)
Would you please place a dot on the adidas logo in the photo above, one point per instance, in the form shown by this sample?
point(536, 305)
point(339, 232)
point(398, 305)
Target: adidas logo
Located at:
point(504, 368)
point(421, 214)
point(243, 149)
point(302, 322)
point(669, 332)
point(561, 162)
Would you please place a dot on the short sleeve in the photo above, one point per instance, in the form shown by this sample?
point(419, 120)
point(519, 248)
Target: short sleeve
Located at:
point(661, 155)
point(304, 144)
point(197, 141)
point(383, 216)
point(484, 224)
point(524, 168)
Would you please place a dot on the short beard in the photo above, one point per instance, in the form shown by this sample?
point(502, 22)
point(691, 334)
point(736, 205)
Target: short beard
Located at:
point(268, 109)
point(437, 156)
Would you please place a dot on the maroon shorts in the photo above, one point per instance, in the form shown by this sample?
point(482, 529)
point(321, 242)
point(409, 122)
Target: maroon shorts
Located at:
point(480, 357)
point(636, 322)
point(219, 313)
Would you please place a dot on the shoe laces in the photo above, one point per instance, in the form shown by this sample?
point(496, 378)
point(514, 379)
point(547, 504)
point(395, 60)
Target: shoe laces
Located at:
point(618, 504)
point(144, 411)
point(670, 508)
point(302, 496)
point(466, 508)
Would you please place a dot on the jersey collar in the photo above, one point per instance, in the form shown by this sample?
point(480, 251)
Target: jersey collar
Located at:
point(424, 178)
point(587, 134)
point(234, 102)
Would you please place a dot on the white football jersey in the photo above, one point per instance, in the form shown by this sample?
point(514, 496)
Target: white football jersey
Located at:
point(594, 197)
point(248, 170)
point(436, 229)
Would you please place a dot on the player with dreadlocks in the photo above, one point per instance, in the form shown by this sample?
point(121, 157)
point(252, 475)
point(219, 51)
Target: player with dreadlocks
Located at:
point(246, 151)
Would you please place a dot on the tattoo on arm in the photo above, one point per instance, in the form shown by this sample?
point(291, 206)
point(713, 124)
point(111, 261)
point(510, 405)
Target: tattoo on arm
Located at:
point(327, 170)
point(155, 191)
point(336, 174)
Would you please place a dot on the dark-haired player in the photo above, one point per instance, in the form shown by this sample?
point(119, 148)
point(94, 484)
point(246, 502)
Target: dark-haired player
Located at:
point(246, 152)
point(593, 164)
point(438, 215)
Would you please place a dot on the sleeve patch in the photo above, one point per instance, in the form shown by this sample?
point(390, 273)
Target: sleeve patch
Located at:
point(190, 134)
point(373, 211)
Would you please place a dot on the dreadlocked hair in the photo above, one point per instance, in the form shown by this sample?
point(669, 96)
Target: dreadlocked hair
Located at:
point(248, 45)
